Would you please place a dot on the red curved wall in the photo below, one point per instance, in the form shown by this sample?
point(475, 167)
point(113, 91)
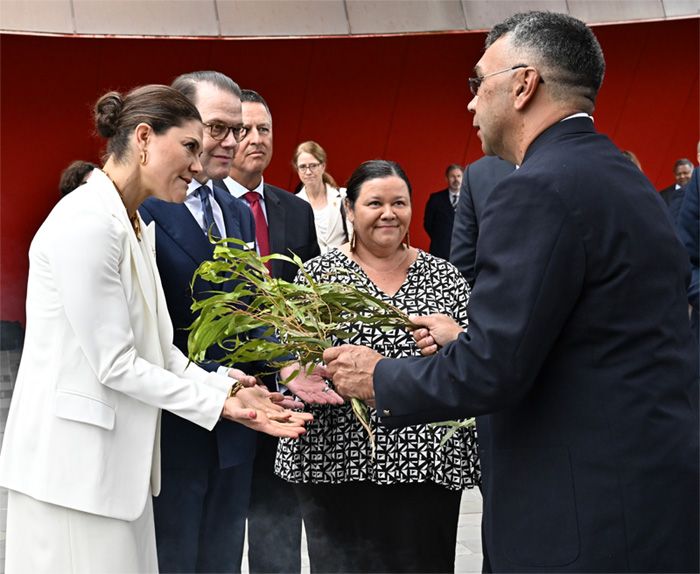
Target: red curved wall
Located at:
point(401, 98)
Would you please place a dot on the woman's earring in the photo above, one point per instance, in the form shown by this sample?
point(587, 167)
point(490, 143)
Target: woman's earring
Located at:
point(353, 241)
point(143, 158)
point(406, 241)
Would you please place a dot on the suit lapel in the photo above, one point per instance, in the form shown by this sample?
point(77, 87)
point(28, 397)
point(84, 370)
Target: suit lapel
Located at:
point(178, 223)
point(276, 224)
point(144, 270)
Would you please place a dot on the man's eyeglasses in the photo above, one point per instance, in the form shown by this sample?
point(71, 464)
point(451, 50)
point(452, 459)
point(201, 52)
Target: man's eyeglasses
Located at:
point(475, 83)
point(219, 131)
point(312, 167)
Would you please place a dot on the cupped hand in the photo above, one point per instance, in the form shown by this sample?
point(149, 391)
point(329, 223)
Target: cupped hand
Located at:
point(434, 331)
point(254, 407)
point(311, 388)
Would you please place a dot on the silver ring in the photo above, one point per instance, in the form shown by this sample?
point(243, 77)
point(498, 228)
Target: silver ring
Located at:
point(325, 389)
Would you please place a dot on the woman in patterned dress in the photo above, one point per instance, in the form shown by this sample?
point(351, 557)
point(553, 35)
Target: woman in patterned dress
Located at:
point(395, 509)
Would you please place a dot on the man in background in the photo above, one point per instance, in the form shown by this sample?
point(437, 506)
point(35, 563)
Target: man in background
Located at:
point(284, 224)
point(682, 171)
point(206, 476)
point(440, 213)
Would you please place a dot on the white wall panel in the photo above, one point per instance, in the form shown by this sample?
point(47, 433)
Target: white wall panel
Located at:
point(484, 14)
point(282, 17)
point(396, 16)
point(146, 18)
point(51, 16)
point(594, 11)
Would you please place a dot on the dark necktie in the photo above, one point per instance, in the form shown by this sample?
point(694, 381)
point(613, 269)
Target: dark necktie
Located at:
point(454, 198)
point(261, 232)
point(209, 224)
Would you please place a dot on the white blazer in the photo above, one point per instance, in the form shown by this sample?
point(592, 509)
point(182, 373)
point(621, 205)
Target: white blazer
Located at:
point(98, 364)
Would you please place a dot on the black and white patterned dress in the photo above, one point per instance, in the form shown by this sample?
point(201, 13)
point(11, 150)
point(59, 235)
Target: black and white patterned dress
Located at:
point(335, 448)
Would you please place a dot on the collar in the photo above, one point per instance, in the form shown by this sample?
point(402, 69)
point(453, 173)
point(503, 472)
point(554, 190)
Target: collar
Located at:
point(577, 115)
point(238, 191)
point(195, 185)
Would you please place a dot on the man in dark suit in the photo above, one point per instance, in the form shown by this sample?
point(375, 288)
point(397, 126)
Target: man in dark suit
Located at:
point(479, 179)
point(284, 224)
point(206, 476)
point(673, 194)
point(440, 213)
point(578, 346)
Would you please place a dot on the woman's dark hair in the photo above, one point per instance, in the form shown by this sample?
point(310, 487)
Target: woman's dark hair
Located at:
point(311, 147)
point(160, 107)
point(74, 176)
point(373, 169)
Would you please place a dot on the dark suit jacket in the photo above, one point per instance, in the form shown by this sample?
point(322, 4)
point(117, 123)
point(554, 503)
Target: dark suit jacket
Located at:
point(688, 224)
point(667, 193)
point(578, 345)
point(180, 247)
point(437, 221)
point(479, 179)
point(291, 228)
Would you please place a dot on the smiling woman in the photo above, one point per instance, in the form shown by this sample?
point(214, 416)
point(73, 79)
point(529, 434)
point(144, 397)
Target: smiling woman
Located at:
point(391, 506)
point(81, 453)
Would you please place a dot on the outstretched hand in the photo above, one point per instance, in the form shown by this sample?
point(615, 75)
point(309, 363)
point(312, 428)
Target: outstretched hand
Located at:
point(434, 331)
point(311, 388)
point(254, 407)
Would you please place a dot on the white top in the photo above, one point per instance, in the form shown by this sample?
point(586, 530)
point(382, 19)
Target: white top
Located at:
point(329, 220)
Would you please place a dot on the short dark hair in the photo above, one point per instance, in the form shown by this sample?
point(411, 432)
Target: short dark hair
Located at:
point(252, 97)
point(451, 167)
point(74, 176)
point(565, 49)
point(373, 169)
point(682, 161)
point(187, 83)
point(160, 107)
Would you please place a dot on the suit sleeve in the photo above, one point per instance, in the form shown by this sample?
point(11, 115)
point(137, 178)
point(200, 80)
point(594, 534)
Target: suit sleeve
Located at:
point(85, 260)
point(689, 233)
point(429, 216)
point(465, 232)
point(532, 268)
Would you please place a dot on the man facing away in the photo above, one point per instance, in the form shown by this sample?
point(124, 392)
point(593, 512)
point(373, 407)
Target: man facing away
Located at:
point(440, 213)
point(578, 347)
point(206, 476)
point(284, 224)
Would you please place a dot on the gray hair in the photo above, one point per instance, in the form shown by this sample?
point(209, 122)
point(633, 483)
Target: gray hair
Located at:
point(565, 49)
point(186, 84)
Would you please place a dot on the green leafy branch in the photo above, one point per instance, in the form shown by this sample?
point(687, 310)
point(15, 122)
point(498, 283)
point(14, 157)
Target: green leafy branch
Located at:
point(303, 317)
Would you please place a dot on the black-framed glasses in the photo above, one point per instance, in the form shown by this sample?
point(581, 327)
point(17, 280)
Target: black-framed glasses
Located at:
point(475, 83)
point(219, 131)
point(310, 166)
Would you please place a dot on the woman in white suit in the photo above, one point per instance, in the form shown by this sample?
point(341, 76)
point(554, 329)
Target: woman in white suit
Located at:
point(81, 448)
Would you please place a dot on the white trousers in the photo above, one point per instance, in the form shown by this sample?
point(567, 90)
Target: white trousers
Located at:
point(44, 538)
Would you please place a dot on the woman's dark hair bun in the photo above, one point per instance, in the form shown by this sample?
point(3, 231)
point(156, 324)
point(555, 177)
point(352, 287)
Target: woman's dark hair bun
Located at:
point(107, 113)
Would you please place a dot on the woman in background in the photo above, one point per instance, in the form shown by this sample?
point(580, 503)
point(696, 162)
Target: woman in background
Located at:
point(323, 193)
point(81, 449)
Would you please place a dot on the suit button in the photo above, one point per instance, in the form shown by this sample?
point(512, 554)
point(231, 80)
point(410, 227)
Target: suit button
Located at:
point(386, 412)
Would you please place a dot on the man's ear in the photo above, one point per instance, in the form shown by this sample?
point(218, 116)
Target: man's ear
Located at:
point(526, 87)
